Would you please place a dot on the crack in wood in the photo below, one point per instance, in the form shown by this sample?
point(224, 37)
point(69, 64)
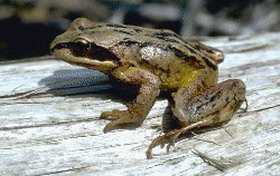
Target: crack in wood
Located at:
point(218, 164)
point(260, 110)
point(91, 119)
point(75, 169)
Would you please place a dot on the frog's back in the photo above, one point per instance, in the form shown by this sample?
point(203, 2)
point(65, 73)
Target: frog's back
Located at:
point(168, 42)
point(163, 40)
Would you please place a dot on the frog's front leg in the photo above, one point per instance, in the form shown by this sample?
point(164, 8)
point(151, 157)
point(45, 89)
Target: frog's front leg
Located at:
point(139, 109)
point(214, 106)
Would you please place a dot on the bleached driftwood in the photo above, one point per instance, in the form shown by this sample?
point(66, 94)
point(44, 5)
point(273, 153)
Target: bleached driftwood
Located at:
point(49, 121)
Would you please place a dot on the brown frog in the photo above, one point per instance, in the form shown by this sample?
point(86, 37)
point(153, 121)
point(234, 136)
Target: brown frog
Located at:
point(154, 60)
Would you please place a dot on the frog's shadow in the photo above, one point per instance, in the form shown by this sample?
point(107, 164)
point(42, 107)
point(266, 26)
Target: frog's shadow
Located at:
point(76, 83)
point(84, 83)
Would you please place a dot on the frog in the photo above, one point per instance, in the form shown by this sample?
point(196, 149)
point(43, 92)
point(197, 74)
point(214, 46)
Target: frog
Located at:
point(154, 61)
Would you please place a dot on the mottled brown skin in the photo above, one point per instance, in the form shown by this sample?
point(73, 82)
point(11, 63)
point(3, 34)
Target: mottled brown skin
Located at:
point(154, 60)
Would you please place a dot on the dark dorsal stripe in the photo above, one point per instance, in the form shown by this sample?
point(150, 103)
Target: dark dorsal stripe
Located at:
point(116, 25)
point(205, 59)
point(165, 35)
point(124, 32)
point(209, 63)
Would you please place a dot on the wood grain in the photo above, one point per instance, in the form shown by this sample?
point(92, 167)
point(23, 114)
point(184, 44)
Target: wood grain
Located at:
point(49, 121)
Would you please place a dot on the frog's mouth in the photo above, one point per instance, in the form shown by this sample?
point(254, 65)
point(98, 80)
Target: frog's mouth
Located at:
point(89, 51)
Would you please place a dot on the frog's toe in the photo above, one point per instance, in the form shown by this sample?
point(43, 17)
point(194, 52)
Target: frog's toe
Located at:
point(114, 123)
point(109, 127)
point(176, 136)
point(114, 113)
point(165, 139)
point(105, 114)
point(161, 140)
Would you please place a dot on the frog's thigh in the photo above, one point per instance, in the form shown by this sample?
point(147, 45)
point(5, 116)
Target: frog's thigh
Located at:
point(229, 96)
point(215, 105)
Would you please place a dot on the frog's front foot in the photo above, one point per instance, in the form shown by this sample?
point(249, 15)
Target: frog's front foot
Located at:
point(122, 117)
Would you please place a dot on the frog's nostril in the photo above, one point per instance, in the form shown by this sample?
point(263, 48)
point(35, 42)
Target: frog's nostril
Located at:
point(81, 27)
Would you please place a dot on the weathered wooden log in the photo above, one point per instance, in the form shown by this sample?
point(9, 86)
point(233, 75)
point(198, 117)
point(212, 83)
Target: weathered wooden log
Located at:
point(49, 121)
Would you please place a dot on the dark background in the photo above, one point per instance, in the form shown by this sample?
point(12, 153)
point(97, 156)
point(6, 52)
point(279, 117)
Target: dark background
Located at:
point(28, 26)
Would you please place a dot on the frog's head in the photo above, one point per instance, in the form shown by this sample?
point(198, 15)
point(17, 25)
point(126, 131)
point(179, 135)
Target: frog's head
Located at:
point(79, 46)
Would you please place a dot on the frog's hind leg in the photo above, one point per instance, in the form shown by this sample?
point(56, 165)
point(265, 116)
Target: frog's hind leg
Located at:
point(214, 106)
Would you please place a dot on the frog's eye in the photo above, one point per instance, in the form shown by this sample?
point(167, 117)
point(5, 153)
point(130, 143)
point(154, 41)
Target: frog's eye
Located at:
point(81, 46)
